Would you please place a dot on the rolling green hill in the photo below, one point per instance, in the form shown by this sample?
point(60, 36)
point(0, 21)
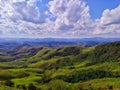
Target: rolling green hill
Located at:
point(62, 68)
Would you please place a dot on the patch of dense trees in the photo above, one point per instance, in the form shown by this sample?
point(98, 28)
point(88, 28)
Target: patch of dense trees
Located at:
point(63, 61)
point(106, 52)
point(85, 75)
point(69, 51)
point(65, 51)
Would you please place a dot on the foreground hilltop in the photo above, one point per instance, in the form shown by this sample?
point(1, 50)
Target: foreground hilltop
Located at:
point(61, 68)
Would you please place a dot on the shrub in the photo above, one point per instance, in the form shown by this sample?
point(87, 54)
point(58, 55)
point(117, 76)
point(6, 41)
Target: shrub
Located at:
point(31, 87)
point(9, 83)
point(22, 75)
point(23, 87)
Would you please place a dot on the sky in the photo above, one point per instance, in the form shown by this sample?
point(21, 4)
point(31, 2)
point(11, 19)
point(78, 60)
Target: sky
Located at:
point(60, 18)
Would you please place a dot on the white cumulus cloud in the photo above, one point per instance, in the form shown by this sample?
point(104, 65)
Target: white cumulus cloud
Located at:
point(111, 16)
point(63, 18)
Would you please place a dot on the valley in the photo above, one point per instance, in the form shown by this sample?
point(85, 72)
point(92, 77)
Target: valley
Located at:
point(66, 67)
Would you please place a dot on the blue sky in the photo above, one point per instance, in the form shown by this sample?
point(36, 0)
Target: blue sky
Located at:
point(98, 6)
point(59, 18)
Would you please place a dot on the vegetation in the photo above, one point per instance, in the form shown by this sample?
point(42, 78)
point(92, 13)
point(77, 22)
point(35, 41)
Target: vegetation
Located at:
point(61, 68)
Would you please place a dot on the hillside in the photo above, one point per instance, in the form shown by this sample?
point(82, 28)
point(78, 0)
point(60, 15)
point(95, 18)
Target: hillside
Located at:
point(61, 68)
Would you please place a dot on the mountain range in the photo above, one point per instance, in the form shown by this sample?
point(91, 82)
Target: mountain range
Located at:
point(40, 64)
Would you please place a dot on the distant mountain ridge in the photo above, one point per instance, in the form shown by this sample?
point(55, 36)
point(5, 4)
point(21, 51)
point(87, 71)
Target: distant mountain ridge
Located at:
point(59, 39)
point(10, 43)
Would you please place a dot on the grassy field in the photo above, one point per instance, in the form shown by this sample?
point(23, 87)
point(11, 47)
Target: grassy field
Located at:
point(64, 68)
